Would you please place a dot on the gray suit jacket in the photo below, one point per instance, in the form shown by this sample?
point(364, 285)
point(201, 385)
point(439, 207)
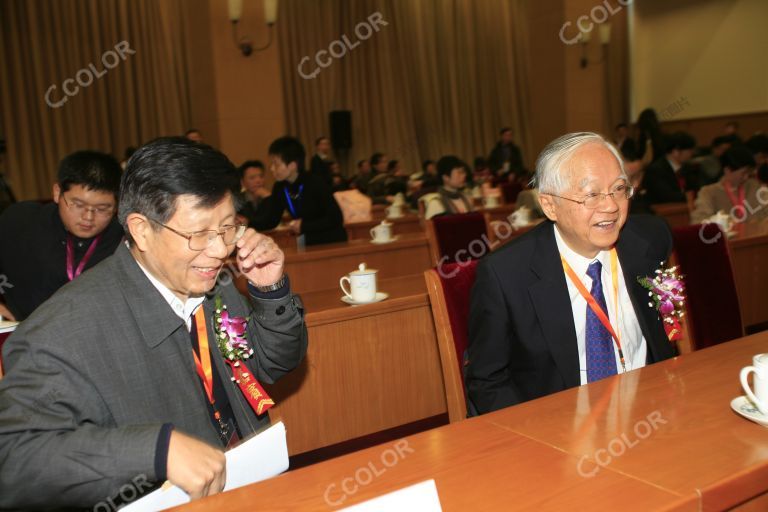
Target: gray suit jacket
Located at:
point(94, 373)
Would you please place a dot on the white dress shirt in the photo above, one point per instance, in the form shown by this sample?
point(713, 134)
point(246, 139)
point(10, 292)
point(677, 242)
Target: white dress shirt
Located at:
point(184, 310)
point(632, 340)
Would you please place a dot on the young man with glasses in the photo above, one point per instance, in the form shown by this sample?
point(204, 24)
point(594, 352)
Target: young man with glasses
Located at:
point(44, 246)
point(560, 306)
point(123, 376)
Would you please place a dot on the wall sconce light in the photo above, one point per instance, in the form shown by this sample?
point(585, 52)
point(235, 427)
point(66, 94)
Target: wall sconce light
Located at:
point(604, 33)
point(244, 43)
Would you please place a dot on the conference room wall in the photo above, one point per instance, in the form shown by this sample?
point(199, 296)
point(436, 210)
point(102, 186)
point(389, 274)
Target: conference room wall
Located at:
point(709, 52)
point(241, 110)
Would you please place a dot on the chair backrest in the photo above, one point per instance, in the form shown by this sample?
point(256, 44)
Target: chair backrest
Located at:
point(449, 290)
point(714, 315)
point(463, 235)
point(510, 191)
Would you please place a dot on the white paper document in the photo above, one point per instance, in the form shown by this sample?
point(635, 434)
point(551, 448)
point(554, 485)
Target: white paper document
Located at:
point(7, 326)
point(262, 456)
point(422, 497)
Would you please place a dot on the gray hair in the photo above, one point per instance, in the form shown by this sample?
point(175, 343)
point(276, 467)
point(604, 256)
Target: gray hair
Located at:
point(551, 175)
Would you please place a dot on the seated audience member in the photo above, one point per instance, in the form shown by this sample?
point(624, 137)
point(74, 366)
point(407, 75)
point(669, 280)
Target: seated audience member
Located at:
point(623, 141)
point(254, 192)
point(758, 145)
point(736, 193)
point(731, 131)
point(363, 176)
point(664, 182)
point(320, 165)
point(194, 135)
point(482, 172)
point(378, 184)
point(709, 166)
point(100, 390)
point(505, 156)
point(47, 245)
point(451, 197)
point(338, 182)
point(306, 197)
point(531, 331)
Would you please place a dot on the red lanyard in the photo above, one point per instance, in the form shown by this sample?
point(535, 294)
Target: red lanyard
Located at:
point(203, 362)
point(73, 272)
point(594, 306)
point(738, 203)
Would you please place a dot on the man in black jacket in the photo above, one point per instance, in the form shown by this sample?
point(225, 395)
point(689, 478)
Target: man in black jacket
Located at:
point(505, 156)
point(320, 165)
point(307, 197)
point(531, 330)
point(666, 180)
point(44, 246)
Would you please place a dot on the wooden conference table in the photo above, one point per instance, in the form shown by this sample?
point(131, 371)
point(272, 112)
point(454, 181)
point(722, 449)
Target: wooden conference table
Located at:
point(659, 438)
point(368, 368)
point(749, 257)
point(320, 267)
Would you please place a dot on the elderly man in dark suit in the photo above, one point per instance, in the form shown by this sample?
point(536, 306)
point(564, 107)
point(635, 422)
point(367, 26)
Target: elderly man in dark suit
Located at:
point(531, 329)
point(121, 376)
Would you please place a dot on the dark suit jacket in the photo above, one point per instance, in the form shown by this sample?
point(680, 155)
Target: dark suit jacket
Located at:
point(97, 370)
point(660, 183)
point(522, 340)
point(496, 158)
point(321, 169)
point(321, 219)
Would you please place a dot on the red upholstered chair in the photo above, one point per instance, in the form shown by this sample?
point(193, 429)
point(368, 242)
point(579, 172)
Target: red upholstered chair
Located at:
point(712, 305)
point(465, 235)
point(510, 191)
point(449, 290)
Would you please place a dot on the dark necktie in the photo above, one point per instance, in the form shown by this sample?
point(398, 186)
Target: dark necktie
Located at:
point(601, 361)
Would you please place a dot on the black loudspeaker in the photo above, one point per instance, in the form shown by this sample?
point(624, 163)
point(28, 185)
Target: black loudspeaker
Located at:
point(341, 129)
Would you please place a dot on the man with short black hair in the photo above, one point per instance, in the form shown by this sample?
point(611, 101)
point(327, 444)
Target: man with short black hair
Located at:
point(664, 180)
point(47, 245)
point(253, 191)
point(147, 367)
point(308, 198)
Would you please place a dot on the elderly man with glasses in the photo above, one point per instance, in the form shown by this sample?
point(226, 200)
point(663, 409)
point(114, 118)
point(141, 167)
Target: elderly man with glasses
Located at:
point(561, 305)
point(44, 246)
point(149, 366)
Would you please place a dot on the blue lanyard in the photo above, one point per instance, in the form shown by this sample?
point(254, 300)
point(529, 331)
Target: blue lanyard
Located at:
point(290, 202)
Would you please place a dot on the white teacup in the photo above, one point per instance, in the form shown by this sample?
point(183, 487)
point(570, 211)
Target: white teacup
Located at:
point(399, 199)
point(362, 284)
point(521, 217)
point(723, 220)
point(394, 211)
point(491, 201)
point(382, 232)
point(760, 380)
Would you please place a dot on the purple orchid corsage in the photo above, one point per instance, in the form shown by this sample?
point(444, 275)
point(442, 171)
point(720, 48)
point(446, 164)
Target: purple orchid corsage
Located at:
point(230, 333)
point(667, 292)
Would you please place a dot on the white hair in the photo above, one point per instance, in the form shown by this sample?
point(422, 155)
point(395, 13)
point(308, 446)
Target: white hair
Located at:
point(552, 174)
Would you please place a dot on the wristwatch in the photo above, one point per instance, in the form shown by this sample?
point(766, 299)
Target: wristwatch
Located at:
point(272, 287)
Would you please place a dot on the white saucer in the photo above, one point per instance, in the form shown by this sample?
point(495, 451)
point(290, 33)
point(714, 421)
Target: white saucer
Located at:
point(744, 407)
point(380, 242)
point(380, 296)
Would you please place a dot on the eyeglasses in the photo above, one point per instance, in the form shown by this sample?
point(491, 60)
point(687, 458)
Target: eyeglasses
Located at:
point(201, 240)
point(80, 208)
point(619, 194)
